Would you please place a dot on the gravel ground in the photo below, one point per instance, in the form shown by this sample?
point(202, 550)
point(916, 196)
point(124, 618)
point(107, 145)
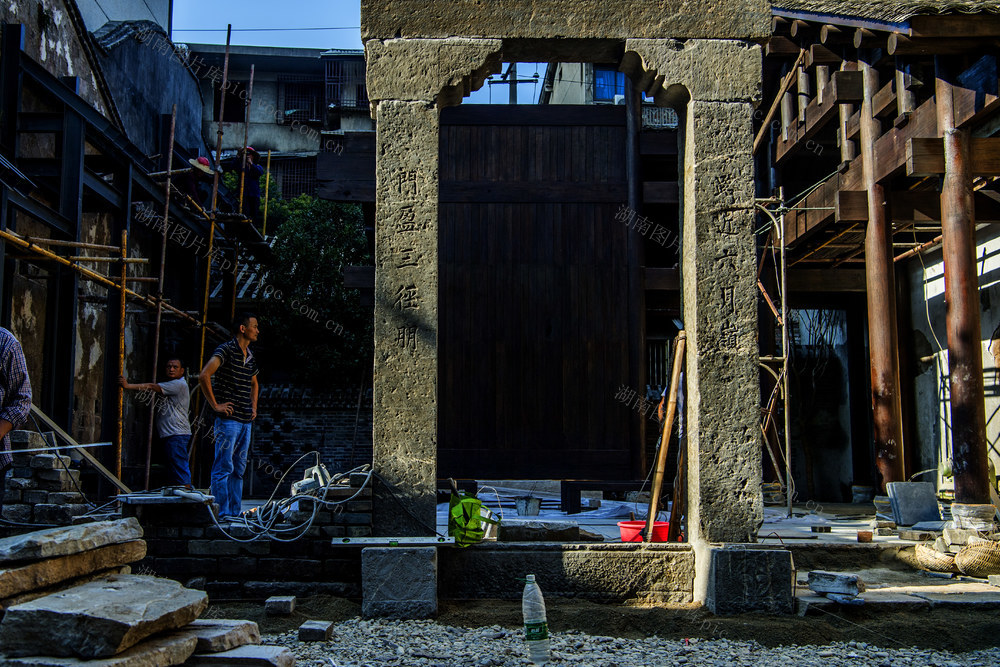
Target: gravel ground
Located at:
point(357, 643)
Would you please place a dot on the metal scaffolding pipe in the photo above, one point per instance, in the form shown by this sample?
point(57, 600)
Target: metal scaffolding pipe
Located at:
point(881, 292)
point(961, 286)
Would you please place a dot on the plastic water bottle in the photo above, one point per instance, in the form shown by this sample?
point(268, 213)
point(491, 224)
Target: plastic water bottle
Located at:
point(536, 629)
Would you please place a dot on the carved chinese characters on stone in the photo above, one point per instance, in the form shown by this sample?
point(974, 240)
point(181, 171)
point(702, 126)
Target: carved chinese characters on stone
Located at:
point(406, 337)
point(407, 298)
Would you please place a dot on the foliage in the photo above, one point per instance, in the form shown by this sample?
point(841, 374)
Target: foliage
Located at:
point(315, 329)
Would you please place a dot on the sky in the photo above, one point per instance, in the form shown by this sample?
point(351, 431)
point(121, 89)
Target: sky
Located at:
point(319, 24)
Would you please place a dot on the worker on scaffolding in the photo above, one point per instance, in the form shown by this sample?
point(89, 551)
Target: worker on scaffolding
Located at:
point(246, 161)
point(172, 400)
point(15, 398)
point(232, 395)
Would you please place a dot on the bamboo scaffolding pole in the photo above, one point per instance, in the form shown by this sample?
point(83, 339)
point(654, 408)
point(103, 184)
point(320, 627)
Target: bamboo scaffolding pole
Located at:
point(73, 244)
point(918, 249)
point(246, 138)
point(668, 425)
point(159, 289)
point(267, 190)
point(215, 196)
point(92, 275)
point(129, 260)
point(121, 358)
point(171, 172)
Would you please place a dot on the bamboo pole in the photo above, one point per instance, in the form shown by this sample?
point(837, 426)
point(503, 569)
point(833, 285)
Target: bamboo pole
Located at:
point(73, 244)
point(246, 138)
point(267, 189)
point(130, 260)
point(121, 358)
point(215, 195)
point(668, 424)
point(159, 290)
point(92, 275)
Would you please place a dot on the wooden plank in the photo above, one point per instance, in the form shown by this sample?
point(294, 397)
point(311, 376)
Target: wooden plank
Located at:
point(925, 156)
point(68, 439)
point(884, 102)
point(976, 96)
point(911, 207)
point(844, 88)
point(562, 115)
point(955, 25)
point(820, 55)
point(658, 142)
point(901, 45)
point(781, 47)
point(660, 192)
point(545, 191)
point(851, 206)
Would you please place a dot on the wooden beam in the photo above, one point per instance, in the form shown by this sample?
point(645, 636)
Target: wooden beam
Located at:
point(908, 207)
point(900, 45)
point(866, 39)
point(820, 55)
point(844, 88)
point(781, 47)
point(800, 29)
point(831, 35)
point(825, 280)
point(925, 156)
point(955, 25)
point(851, 206)
point(884, 102)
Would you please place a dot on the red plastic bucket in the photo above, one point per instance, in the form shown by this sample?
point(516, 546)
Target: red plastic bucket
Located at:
point(632, 530)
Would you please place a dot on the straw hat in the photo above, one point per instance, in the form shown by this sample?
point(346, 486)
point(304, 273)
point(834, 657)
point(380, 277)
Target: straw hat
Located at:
point(201, 164)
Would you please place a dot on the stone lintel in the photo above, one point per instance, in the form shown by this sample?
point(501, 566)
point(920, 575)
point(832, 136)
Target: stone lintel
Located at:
point(716, 70)
point(434, 71)
point(720, 316)
point(406, 315)
point(566, 19)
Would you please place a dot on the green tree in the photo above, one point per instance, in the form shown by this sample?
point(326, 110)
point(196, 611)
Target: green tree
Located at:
point(316, 329)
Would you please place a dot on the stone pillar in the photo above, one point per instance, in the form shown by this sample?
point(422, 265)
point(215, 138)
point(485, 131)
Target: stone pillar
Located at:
point(409, 80)
point(714, 84)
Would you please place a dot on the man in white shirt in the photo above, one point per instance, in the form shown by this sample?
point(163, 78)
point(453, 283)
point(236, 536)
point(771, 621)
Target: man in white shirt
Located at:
point(172, 399)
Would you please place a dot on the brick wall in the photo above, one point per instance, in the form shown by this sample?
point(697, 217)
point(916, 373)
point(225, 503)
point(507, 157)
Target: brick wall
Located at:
point(184, 543)
point(292, 421)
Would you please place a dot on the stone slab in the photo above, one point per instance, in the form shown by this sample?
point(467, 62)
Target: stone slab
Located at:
point(279, 605)
point(160, 651)
point(958, 536)
point(966, 600)
point(994, 579)
point(63, 585)
point(821, 581)
point(933, 526)
point(315, 631)
point(99, 619)
point(913, 502)
point(250, 656)
point(21, 439)
point(399, 582)
point(50, 461)
point(519, 530)
point(563, 20)
point(63, 541)
point(841, 598)
point(742, 580)
point(216, 635)
point(708, 69)
point(51, 571)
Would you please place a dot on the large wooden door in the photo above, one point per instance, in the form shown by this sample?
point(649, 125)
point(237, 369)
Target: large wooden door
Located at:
point(534, 339)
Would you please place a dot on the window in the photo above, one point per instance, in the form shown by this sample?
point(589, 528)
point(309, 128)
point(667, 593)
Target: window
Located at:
point(345, 84)
point(301, 100)
point(607, 84)
point(236, 106)
point(296, 177)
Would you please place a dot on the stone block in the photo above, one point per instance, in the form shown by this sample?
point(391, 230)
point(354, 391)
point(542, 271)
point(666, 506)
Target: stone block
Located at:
point(216, 635)
point(316, 631)
point(21, 460)
point(358, 479)
point(821, 581)
point(194, 532)
point(359, 531)
point(249, 656)
point(18, 513)
point(99, 619)
point(715, 70)
point(13, 496)
point(913, 502)
point(51, 571)
point(552, 21)
point(958, 536)
point(213, 548)
point(742, 580)
point(334, 531)
point(160, 651)
point(22, 472)
point(994, 579)
point(279, 605)
point(21, 483)
point(973, 517)
point(56, 475)
point(519, 530)
point(66, 498)
point(399, 582)
point(50, 462)
point(27, 440)
point(59, 514)
point(841, 598)
point(36, 497)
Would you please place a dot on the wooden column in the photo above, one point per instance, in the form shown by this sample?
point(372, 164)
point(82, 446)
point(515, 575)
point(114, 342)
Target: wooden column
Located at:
point(965, 361)
point(636, 259)
point(882, 335)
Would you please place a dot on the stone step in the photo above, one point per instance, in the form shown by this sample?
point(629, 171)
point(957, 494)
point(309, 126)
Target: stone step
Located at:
point(159, 651)
point(99, 619)
point(218, 634)
point(51, 571)
point(250, 656)
point(66, 540)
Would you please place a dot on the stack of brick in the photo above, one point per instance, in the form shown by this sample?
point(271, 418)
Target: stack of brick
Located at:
point(42, 488)
point(185, 544)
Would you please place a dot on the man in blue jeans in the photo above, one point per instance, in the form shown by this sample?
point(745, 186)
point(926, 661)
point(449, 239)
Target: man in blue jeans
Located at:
point(172, 400)
point(229, 384)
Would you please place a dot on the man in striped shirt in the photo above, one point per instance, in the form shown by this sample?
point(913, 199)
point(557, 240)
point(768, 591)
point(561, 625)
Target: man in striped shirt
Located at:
point(229, 384)
point(15, 397)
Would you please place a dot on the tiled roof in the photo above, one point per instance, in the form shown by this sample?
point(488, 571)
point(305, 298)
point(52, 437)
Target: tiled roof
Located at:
point(892, 11)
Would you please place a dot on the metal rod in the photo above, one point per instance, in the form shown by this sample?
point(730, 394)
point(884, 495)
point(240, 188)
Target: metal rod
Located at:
point(159, 289)
point(121, 358)
point(267, 189)
point(668, 425)
point(969, 445)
